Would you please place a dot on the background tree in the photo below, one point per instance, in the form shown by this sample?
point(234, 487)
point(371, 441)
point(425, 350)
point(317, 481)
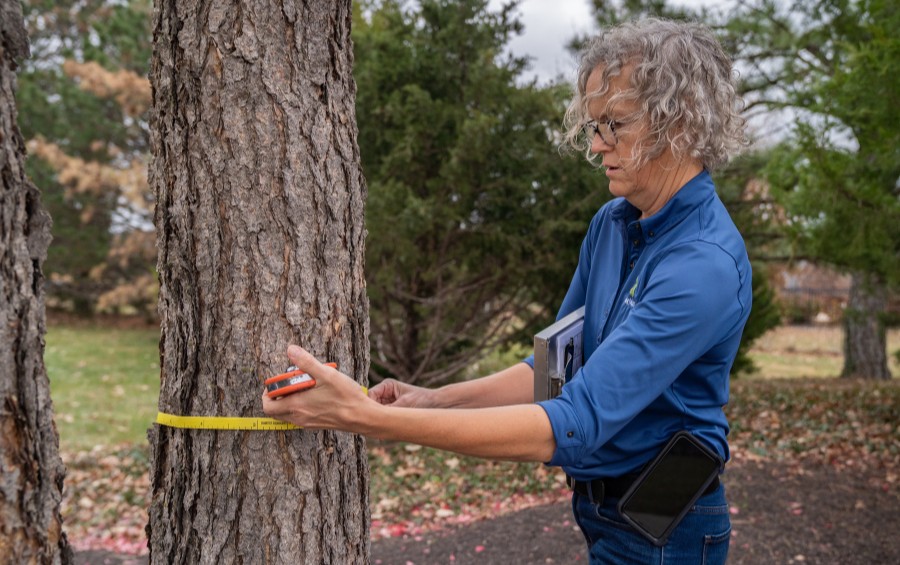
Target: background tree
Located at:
point(259, 220)
point(833, 63)
point(475, 219)
point(83, 102)
point(31, 471)
point(613, 12)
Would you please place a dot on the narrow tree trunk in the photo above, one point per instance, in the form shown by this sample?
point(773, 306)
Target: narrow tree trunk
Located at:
point(260, 229)
point(865, 338)
point(31, 471)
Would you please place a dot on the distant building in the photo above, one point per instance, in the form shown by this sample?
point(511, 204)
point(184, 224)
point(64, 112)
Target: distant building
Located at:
point(810, 293)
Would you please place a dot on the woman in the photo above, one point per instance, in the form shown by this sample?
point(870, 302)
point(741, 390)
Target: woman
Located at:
point(665, 281)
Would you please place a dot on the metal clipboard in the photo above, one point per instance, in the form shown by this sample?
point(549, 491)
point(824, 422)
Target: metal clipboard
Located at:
point(558, 354)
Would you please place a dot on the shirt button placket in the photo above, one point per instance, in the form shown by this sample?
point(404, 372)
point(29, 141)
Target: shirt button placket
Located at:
point(635, 239)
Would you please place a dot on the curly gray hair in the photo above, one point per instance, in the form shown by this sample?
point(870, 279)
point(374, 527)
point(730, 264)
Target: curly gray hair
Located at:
point(682, 82)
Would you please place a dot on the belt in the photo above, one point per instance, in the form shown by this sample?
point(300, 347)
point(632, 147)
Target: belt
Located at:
point(599, 489)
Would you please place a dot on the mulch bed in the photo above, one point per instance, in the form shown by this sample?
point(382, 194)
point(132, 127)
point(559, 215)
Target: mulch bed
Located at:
point(781, 513)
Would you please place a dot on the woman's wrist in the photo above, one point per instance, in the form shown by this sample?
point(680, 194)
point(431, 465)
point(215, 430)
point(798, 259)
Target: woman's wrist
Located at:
point(450, 396)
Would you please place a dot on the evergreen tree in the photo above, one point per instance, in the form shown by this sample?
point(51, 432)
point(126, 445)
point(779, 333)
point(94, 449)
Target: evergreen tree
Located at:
point(474, 217)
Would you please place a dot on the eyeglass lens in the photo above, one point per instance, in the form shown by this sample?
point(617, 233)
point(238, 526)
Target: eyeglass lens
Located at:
point(604, 129)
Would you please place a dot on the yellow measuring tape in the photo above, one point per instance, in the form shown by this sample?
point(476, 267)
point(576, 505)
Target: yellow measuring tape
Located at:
point(226, 422)
point(222, 423)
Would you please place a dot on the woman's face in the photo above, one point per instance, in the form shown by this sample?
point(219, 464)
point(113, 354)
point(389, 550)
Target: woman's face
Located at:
point(647, 187)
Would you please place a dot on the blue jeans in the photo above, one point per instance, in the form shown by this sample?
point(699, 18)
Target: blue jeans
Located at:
point(700, 539)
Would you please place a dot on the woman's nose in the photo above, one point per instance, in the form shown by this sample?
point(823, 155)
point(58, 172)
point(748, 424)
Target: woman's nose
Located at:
point(598, 145)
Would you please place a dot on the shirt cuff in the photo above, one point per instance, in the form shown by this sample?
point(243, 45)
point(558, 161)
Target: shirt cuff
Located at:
point(566, 431)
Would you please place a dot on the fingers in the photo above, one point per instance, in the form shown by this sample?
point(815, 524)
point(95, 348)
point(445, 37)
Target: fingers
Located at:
point(273, 407)
point(401, 395)
point(386, 392)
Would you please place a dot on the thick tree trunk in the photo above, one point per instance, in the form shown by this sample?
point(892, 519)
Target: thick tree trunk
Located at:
point(259, 220)
point(865, 338)
point(31, 471)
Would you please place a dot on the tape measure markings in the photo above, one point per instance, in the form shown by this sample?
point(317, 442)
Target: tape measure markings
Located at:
point(226, 422)
point(222, 423)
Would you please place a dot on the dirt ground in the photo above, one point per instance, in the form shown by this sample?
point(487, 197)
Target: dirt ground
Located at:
point(781, 514)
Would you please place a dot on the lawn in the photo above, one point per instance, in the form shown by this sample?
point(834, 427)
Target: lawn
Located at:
point(809, 351)
point(104, 384)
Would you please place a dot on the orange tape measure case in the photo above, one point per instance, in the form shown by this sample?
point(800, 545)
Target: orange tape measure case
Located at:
point(291, 381)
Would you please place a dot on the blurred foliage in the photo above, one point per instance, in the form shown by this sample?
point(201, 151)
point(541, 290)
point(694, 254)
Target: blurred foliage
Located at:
point(613, 12)
point(57, 110)
point(77, 245)
point(837, 174)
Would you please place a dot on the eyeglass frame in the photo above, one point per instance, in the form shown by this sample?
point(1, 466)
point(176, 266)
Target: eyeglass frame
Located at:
point(593, 128)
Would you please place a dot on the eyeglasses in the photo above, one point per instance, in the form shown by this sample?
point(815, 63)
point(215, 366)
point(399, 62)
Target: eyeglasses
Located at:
point(606, 130)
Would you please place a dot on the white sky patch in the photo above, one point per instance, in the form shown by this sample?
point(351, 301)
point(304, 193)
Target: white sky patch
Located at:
point(551, 24)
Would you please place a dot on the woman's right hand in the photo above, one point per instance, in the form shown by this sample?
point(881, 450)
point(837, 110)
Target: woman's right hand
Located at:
point(395, 393)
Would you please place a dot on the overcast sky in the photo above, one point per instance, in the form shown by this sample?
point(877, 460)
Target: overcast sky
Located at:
point(550, 24)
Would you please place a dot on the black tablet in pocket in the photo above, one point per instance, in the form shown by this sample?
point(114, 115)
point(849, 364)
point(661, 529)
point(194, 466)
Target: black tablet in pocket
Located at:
point(668, 486)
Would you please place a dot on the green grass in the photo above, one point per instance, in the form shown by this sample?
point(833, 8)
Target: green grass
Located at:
point(779, 365)
point(104, 383)
point(809, 351)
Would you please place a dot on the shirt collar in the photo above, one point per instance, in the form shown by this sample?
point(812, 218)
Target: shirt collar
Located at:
point(686, 200)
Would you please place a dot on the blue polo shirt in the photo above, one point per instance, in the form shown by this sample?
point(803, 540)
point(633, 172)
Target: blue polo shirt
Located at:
point(666, 299)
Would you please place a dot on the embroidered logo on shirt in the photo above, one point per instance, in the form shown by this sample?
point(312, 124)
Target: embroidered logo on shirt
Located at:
point(629, 300)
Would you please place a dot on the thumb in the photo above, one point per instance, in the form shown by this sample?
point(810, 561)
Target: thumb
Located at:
point(305, 361)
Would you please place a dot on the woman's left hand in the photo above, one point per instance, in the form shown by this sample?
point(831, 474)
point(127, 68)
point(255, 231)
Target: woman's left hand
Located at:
point(336, 402)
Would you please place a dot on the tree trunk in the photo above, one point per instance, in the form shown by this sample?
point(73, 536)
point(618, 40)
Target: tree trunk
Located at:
point(259, 220)
point(31, 471)
point(865, 339)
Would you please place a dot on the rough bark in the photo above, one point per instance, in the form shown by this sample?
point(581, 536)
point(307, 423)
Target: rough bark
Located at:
point(865, 335)
point(259, 220)
point(31, 471)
